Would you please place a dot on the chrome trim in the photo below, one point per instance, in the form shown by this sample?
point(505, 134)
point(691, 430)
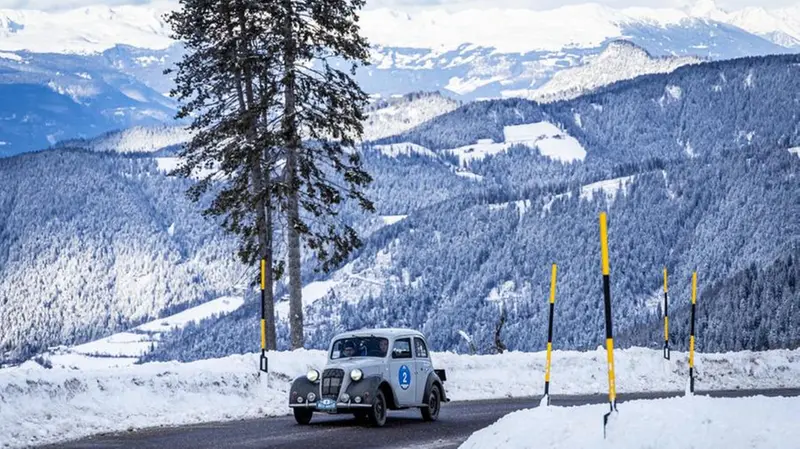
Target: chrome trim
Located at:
point(339, 406)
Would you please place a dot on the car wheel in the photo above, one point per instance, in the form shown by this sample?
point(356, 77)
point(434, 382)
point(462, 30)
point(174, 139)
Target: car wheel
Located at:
point(431, 412)
point(303, 415)
point(377, 414)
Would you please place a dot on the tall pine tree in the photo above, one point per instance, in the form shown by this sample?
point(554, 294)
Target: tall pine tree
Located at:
point(220, 85)
point(321, 117)
point(278, 121)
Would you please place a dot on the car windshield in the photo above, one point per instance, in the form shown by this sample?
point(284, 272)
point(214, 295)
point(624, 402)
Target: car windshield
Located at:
point(359, 347)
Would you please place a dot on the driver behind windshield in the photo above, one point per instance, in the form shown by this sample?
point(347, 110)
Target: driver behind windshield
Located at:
point(361, 347)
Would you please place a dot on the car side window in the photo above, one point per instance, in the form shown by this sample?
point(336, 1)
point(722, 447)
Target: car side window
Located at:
point(420, 348)
point(402, 349)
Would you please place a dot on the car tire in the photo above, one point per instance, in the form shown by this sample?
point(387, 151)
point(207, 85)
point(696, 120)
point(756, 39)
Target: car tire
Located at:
point(303, 415)
point(376, 415)
point(434, 403)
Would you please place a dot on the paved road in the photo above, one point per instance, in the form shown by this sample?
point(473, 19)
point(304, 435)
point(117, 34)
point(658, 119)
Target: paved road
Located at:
point(404, 429)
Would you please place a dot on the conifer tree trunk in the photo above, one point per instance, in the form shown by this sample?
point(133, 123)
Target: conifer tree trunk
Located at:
point(289, 129)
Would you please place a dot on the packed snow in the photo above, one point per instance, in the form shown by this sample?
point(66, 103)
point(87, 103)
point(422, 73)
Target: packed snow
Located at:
point(677, 423)
point(47, 405)
point(551, 142)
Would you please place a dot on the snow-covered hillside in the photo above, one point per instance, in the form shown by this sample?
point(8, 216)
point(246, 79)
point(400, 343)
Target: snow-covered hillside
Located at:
point(621, 60)
point(126, 348)
point(546, 137)
point(674, 423)
point(138, 139)
point(48, 405)
point(388, 118)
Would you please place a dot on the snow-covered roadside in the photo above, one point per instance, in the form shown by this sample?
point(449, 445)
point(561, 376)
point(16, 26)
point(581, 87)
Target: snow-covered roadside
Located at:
point(678, 423)
point(40, 405)
point(637, 370)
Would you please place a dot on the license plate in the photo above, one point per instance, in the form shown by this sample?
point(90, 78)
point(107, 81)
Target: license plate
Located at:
point(326, 404)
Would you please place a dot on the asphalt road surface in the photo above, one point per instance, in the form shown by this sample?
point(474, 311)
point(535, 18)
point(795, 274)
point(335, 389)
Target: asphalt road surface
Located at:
point(404, 429)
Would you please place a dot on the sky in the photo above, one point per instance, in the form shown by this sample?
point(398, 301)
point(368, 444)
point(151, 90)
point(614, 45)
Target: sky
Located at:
point(448, 4)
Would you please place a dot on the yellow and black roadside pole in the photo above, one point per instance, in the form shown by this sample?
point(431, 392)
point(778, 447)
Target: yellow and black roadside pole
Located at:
point(612, 388)
point(264, 365)
point(666, 317)
point(550, 334)
point(691, 333)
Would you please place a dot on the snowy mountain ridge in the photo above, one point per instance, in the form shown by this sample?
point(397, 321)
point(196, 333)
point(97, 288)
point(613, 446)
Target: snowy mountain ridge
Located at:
point(384, 118)
point(138, 139)
point(97, 28)
point(620, 60)
point(390, 117)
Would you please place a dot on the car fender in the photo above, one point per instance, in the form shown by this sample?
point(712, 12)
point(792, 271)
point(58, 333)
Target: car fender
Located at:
point(369, 385)
point(433, 379)
point(301, 387)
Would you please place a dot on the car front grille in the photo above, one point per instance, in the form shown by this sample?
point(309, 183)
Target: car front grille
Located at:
point(331, 383)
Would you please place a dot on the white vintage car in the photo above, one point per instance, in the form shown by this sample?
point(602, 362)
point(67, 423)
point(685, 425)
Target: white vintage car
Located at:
point(369, 372)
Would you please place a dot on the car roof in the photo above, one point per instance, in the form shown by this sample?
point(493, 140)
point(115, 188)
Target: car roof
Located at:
point(383, 332)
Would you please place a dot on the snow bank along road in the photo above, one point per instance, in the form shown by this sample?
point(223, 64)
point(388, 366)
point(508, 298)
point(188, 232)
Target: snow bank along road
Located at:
point(72, 400)
point(404, 429)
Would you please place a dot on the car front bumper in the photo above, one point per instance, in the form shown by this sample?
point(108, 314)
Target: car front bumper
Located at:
point(340, 406)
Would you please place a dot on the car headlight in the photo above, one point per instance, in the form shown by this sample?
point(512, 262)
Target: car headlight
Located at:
point(312, 375)
point(356, 375)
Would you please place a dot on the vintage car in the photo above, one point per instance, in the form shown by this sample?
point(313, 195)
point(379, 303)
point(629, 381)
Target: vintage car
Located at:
point(369, 372)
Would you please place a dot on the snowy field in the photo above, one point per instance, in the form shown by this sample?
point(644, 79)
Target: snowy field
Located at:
point(125, 348)
point(47, 405)
point(678, 423)
point(548, 138)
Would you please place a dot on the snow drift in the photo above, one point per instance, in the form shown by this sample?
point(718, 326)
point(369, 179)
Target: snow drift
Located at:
point(690, 422)
point(42, 406)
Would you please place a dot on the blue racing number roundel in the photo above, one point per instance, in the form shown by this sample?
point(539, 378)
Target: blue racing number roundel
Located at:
point(404, 377)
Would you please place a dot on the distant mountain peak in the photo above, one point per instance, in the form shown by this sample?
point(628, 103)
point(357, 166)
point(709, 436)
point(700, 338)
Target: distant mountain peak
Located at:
point(618, 46)
point(706, 9)
point(620, 60)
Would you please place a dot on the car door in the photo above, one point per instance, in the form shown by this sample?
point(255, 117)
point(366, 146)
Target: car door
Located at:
point(424, 367)
point(402, 370)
